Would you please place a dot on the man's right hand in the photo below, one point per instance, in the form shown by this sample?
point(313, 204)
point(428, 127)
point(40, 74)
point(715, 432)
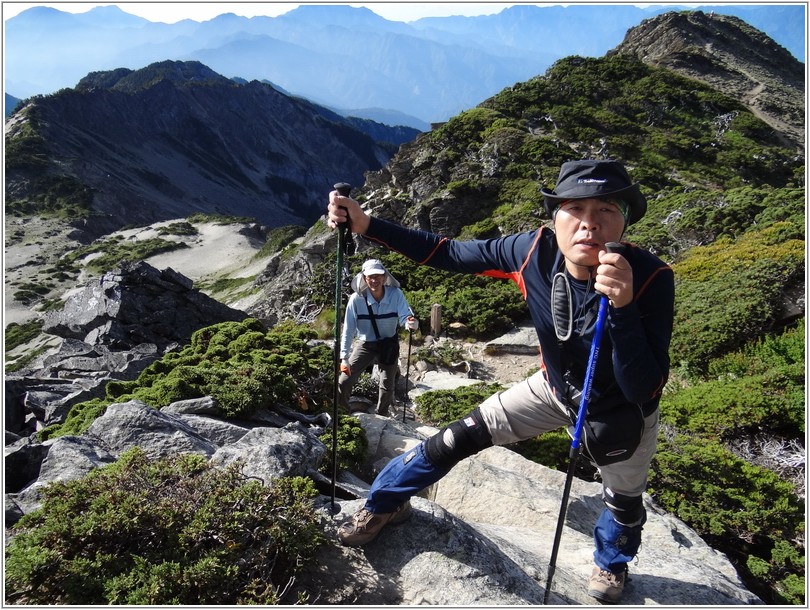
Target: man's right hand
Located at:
point(342, 208)
point(345, 368)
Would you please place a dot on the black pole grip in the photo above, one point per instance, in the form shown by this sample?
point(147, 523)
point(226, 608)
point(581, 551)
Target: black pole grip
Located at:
point(616, 248)
point(343, 189)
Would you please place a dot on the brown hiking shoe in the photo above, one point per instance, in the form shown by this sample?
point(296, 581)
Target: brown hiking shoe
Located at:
point(606, 586)
point(365, 525)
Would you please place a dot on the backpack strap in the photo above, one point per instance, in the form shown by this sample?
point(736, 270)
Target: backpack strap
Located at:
point(373, 320)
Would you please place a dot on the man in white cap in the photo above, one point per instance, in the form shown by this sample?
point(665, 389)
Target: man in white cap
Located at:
point(374, 313)
point(591, 205)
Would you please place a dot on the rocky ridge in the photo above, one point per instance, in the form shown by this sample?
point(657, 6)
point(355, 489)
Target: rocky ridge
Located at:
point(706, 47)
point(111, 329)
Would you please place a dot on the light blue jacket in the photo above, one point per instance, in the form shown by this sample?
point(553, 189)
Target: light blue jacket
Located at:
point(390, 312)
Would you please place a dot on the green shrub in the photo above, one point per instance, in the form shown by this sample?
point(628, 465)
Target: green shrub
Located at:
point(20, 334)
point(224, 284)
point(184, 228)
point(760, 357)
point(792, 588)
point(351, 448)
point(174, 531)
point(367, 387)
point(278, 239)
point(56, 196)
point(220, 219)
point(770, 402)
point(727, 294)
point(443, 354)
point(441, 407)
point(242, 365)
point(26, 149)
point(26, 359)
point(737, 507)
point(683, 218)
point(467, 127)
point(784, 572)
point(112, 253)
point(550, 449)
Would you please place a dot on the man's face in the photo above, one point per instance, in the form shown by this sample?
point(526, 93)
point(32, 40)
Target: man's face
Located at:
point(374, 281)
point(584, 226)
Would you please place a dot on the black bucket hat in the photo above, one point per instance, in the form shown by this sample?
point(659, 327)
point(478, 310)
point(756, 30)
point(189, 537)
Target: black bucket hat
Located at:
point(600, 179)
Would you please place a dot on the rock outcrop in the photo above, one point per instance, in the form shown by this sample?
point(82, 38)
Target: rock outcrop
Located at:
point(112, 328)
point(137, 304)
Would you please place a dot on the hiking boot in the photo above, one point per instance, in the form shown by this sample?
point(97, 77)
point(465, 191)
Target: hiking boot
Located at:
point(606, 586)
point(365, 525)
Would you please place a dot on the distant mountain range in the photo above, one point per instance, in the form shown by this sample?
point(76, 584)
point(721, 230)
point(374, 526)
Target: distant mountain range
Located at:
point(348, 59)
point(176, 138)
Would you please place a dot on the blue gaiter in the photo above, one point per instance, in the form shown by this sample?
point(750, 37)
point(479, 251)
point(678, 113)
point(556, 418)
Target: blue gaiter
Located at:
point(616, 544)
point(402, 477)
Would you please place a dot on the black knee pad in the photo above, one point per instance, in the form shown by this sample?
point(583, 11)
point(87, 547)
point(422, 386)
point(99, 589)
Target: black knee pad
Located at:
point(627, 510)
point(463, 438)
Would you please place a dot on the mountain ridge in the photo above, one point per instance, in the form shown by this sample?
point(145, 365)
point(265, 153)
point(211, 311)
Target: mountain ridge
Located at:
point(437, 183)
point(176, 137)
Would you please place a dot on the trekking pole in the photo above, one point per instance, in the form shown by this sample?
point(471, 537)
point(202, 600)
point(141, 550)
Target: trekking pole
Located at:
point(407, 374)
point(344, 189)
point(576, 447)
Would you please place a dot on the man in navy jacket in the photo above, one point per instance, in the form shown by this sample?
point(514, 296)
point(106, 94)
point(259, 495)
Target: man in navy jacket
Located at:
point(559, 273)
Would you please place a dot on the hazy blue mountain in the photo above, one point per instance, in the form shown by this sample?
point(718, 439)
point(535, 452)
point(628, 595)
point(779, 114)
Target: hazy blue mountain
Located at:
point(385, 116)
point(592, 30)
point(11, 103)
point(347, 57)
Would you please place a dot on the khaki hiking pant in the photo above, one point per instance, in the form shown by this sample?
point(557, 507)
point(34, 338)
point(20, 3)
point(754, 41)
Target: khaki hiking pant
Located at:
point(530, 408)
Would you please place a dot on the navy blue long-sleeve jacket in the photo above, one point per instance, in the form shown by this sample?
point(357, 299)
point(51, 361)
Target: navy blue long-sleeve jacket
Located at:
point(634, 354)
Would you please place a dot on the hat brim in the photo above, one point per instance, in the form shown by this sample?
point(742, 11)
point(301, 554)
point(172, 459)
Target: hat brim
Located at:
point(631, 194)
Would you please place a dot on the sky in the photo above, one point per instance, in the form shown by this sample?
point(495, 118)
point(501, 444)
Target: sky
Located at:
point(171, 12)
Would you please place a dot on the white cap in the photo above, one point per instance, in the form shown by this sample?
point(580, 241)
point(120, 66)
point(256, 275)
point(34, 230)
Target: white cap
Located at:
point(373, 266)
